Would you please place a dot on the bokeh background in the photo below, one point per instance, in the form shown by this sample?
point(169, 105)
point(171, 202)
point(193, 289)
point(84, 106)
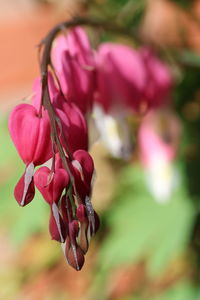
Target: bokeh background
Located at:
point(148, 247)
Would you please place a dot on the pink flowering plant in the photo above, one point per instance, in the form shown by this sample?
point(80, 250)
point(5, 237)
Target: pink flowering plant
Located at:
point(51, 133)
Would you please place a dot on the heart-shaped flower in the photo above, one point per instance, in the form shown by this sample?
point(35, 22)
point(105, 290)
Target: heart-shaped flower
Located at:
point(71, 123)
point(51, 185)
point(73, 61)
point(30, 133)
point(121, 77)
point(83, 170)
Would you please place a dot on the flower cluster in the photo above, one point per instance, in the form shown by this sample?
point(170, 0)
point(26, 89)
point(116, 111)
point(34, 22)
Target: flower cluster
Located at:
point(66, 185)
point(52, 130)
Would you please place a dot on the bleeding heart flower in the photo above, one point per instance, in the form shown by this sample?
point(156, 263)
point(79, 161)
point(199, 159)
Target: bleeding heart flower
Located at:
point(71, 122)
point(73, 61)
point(57, 227)
point(51, 185)
point(121, 77)
point(83, 171)
point(73, 253)
point(74, 133)
point(83, 162)
point(30, 133)
point(79, 47)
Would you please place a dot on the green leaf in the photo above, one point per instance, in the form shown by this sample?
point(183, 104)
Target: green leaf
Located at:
point(142, 228)
point(190, 58)
point(181, 291)
point(29, 220)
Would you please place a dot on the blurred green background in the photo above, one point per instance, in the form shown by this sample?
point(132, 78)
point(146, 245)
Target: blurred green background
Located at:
point(144, 249)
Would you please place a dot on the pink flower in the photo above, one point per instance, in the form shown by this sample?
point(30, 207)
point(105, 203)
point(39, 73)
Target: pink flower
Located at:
point(130, 79)
point(30, 133)
point(83, 170)
point(84, 164)
point(121, 77)
point(72, 124)
point(51, 185)
point(74, 132)
point(73, 62)
point(79, 47)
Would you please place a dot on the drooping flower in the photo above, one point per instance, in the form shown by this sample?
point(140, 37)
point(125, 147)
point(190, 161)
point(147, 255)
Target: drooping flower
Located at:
point(83, 170)
point(71, 122)
point(51, 184)
point(30, 132)
point(64, 191)
point(121, 77)
point(73, 62)
point(128, 78)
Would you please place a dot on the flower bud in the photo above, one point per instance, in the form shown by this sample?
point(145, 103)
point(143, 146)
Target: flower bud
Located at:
point(75, 258)
point(25, 190)
point(83, 218)
point(73, 252)
point(56, 225)
point(83, 170)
